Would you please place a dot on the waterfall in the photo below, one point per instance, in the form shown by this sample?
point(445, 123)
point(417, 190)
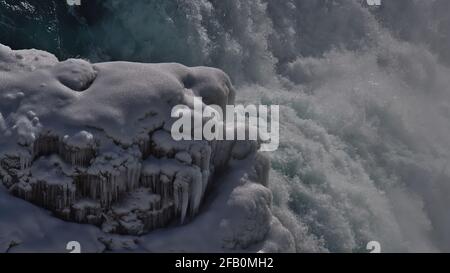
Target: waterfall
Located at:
point(364, 95)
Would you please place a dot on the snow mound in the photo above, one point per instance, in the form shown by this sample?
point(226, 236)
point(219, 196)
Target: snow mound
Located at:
point(77, 75)
point(92, 144)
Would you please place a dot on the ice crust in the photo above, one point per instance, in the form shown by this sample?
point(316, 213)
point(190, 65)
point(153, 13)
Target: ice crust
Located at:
point(92, 144)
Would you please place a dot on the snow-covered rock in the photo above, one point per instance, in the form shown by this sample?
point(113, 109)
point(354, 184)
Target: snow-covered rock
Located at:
point(92, 144)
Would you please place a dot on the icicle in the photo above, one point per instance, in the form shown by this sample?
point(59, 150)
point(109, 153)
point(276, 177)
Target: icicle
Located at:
point(177, 176)
point(205, 181)
point(197, 191)
point(181, 198)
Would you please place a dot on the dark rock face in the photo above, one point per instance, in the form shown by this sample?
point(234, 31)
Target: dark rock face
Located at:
point(50, 25)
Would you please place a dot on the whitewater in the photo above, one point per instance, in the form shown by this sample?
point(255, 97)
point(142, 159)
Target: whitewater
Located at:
point(364, 97)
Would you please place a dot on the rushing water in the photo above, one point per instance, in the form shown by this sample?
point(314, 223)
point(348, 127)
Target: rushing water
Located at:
point(364, 95)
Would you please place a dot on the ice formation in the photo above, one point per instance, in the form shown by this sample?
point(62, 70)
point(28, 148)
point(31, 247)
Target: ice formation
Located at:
point(92, 143)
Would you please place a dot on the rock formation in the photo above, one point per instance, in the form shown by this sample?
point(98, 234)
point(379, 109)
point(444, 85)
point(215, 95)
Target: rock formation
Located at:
point(92, 143)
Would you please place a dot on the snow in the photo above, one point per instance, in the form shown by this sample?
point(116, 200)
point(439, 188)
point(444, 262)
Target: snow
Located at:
point(184, 157)
point(27, 228)
point(91, 144)
point(82, 139)
point(238, 218)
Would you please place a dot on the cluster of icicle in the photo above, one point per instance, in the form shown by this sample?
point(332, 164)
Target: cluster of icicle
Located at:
point(127, 190)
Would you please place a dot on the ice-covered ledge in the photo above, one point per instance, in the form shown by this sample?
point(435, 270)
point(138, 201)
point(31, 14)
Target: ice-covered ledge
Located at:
point(91, 143)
